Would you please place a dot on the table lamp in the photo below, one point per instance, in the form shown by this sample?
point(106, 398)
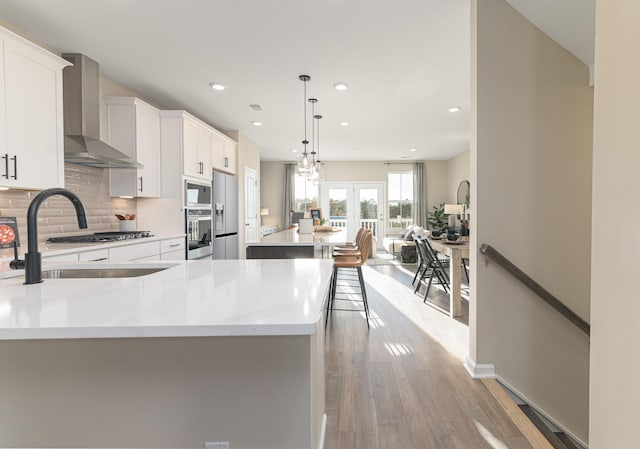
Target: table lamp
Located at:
point(453, 210)
point(263, 213)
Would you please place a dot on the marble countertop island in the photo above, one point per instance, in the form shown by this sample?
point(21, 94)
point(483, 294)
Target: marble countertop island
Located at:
point(291, 237)
point(225, 351)
point(190, 298)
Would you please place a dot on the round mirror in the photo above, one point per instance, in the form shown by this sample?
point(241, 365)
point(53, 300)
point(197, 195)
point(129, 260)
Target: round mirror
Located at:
point(464, 193)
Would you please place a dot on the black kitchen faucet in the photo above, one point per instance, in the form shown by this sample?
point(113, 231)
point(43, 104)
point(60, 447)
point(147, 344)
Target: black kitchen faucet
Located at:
point(33, 259)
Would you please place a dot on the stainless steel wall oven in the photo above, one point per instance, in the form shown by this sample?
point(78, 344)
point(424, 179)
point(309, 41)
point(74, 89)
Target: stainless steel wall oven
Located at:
point(199, 227)
point(198, 219)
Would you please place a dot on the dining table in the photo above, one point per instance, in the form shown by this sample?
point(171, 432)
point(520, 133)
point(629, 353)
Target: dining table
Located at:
point(456, 251)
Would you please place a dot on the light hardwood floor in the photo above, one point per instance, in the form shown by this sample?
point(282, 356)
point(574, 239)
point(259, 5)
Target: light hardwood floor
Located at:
point(395, 386)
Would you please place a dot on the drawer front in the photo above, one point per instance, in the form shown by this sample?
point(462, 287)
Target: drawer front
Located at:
point(149, 258)
point(171, 245)
point(98, 255)
point(73, 257)
point(135, 251)
point(173, 255)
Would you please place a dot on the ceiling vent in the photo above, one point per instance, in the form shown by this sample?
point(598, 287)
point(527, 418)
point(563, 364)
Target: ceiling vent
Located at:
point(255, 107)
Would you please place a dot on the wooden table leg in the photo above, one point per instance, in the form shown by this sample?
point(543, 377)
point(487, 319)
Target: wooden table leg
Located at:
point(455, 291)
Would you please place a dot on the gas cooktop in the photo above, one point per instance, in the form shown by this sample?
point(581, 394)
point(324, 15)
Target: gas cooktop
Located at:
point(100, 237)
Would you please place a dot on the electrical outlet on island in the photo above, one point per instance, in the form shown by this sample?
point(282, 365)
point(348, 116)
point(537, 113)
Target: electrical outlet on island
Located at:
point(216, 445)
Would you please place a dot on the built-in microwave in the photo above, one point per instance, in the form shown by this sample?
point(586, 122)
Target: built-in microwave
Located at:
point(197, 195)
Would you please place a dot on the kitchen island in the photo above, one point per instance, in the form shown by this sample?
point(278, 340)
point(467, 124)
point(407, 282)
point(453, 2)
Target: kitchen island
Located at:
point(203, 351)
point(290, 244)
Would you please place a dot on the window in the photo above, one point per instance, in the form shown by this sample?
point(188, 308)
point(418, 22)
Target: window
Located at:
point(400, 200)
point(305, 194)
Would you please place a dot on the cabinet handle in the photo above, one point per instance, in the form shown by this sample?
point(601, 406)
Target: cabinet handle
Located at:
point(174, 245)
point(200, 167)
point(15, 167)
point(6, 166)
point(226, 162)
point(98, 260)
point(141, 189)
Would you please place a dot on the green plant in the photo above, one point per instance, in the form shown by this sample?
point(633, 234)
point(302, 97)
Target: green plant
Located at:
point(437, 218)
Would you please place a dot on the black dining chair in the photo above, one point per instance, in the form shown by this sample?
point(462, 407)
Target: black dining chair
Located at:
point(433, 267)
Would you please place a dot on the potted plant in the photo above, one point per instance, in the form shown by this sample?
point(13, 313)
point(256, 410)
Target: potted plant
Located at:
point(437, 218)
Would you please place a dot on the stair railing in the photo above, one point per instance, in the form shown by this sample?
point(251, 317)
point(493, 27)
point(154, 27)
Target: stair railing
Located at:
point(493, 254)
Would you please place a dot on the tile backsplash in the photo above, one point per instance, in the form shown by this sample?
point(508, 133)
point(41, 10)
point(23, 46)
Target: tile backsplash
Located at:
point(57, 216)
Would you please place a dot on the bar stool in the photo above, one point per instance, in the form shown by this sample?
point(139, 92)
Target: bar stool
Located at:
point(350, 247)
point(343, 276)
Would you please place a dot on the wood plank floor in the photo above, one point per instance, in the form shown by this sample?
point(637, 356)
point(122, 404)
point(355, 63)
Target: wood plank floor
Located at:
point(395, 386)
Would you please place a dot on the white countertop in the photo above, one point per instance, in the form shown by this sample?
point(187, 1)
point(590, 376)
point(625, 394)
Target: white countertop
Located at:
point(191, 298)
point(291, 237)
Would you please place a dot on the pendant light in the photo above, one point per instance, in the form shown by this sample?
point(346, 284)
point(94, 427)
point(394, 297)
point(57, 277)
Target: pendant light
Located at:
point(304, 165)
point(318, 165)
point(313, 174)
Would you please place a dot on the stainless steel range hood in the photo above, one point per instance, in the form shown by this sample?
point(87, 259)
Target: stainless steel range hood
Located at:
point(82, 144)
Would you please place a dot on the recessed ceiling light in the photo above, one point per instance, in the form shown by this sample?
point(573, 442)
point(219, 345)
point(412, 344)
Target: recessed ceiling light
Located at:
point(294, 151)
point(217, 86)
point(340, 86)
point(412, 150)
point(344, 123)
point(257, 123)
point(454, 109)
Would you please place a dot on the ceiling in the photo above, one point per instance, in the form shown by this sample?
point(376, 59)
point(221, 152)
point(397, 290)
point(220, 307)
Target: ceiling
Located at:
point(405, 66)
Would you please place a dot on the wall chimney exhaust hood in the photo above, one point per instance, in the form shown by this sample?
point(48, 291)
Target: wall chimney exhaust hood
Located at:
point(82, 144)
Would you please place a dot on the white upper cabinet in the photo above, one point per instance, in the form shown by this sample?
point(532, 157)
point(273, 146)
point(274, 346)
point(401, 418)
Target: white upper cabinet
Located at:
point(224, 153)
point(133, 127)
point(203, 151)
point(31, 117)
point(201, 145)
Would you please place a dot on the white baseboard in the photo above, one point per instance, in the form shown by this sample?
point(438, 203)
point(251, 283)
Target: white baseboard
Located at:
point(323, 430)
point(479, 370)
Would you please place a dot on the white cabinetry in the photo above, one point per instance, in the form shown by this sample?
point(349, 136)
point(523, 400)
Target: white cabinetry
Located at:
point(183, 133)
point(223, 154)
point(173, 249)
point(31, 126)
point(164, 249)
point(202, 147)
point(133, 127)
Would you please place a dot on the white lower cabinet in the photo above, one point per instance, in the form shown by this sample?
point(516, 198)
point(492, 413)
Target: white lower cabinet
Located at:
point(139, 251)
point(173, 249)
point(165, 249)
point(73, 257)
point(173, 255)
point(98, 255)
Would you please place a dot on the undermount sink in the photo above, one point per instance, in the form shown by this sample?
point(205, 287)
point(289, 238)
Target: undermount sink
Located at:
point(88, 273)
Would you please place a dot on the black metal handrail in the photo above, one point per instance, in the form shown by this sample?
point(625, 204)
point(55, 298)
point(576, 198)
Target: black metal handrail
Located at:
point(547, 297)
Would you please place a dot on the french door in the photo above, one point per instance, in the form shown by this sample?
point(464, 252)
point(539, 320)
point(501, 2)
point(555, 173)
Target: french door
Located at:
point(355, 205)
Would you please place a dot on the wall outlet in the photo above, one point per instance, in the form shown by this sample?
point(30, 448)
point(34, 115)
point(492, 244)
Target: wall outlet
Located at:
point(216, 445)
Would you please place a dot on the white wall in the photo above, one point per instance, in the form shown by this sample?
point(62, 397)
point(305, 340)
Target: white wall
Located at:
point(615, 310)
point(457, 171)
point(272, 180)
point(272, 191)
point(531, 193)
point(248, 156)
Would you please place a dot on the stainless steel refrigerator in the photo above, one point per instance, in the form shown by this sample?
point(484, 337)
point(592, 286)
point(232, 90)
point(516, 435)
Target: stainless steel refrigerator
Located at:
point(225, 216)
